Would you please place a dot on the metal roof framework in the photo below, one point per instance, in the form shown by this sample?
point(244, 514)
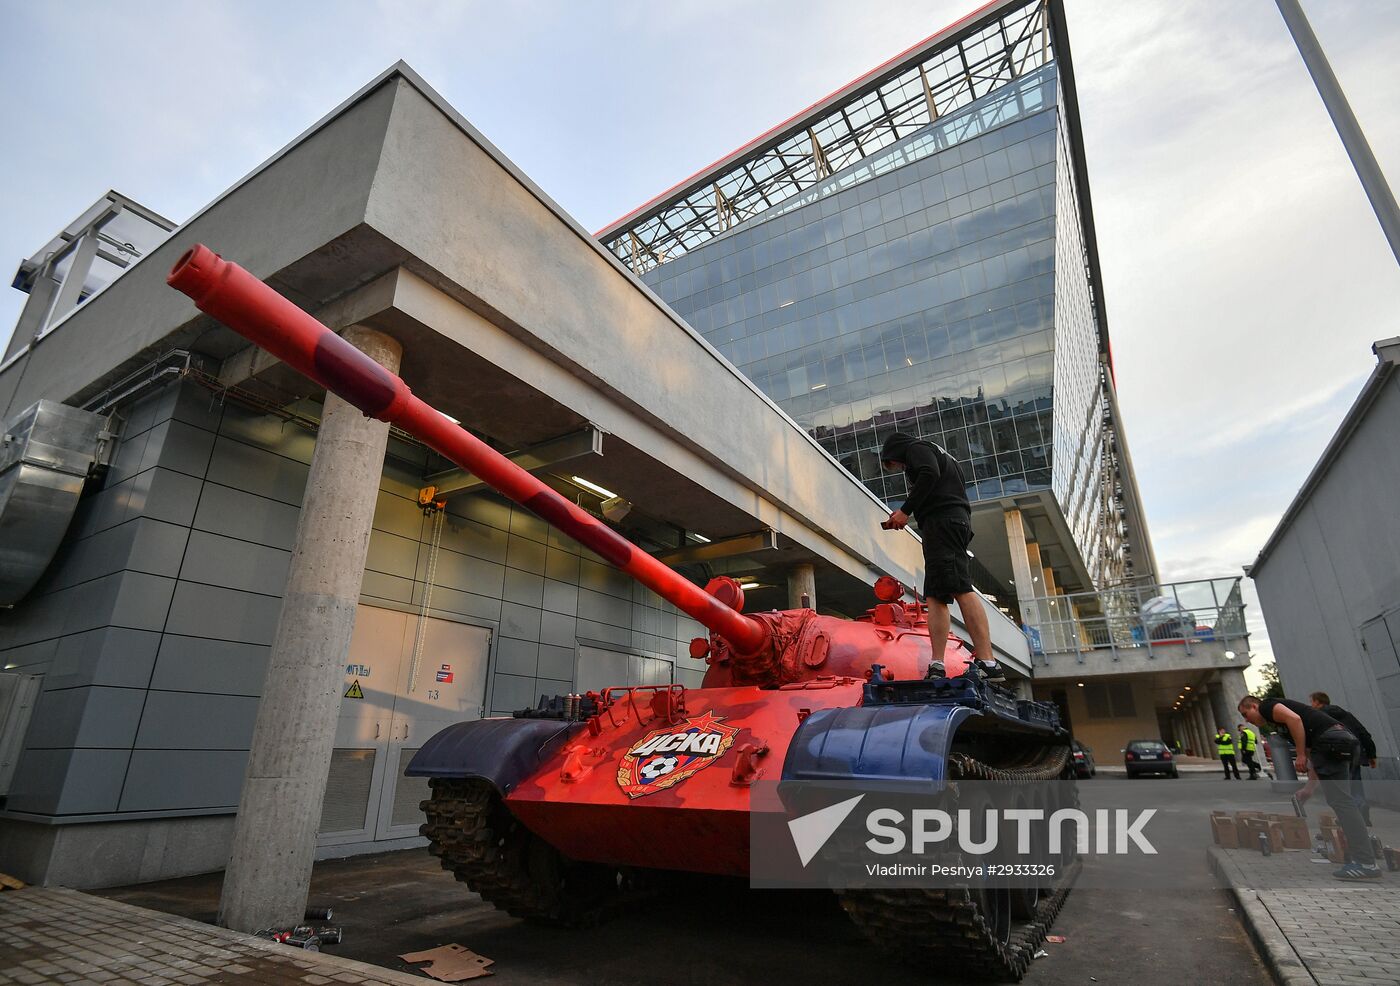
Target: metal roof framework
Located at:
point(994, 45)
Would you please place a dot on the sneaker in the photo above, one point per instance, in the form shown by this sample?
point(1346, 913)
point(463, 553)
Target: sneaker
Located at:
point(1355, 871)
point(991, 670)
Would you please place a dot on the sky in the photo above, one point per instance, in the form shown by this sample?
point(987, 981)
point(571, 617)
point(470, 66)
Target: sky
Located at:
point(1244, 273)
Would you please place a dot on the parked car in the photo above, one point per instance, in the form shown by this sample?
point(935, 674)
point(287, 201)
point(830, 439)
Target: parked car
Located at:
point(1084, 766)
point(1148, 757)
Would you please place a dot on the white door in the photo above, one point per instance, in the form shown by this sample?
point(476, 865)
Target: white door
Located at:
point(385, 717)
point(354, 787)
point(445, 684)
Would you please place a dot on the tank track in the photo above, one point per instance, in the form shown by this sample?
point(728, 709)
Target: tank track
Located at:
point(945, 929)
point(489, 850)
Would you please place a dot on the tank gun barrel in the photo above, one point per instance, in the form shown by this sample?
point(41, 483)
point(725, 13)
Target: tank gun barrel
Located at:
point(245, 304)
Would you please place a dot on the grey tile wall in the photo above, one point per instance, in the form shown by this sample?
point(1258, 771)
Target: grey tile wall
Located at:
point(152, 627)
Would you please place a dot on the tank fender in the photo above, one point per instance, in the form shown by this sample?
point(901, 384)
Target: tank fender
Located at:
point(901, 748)
point(502, 751)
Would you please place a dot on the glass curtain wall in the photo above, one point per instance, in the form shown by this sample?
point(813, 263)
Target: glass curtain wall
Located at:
point(915, 290)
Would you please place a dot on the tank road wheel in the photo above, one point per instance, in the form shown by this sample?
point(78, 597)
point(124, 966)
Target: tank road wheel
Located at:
point(489, 850)
point(986, 934)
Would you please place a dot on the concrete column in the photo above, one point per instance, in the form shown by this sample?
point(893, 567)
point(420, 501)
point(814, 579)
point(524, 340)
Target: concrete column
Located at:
point(1188, 731)
point(1233, 688)
point(1222, 714)
point(802, 581)
point(1021, 566)
point(274, 839)
point(1207, 747)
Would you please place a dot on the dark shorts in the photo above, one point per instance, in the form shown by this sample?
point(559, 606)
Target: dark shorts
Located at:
point(947, 572)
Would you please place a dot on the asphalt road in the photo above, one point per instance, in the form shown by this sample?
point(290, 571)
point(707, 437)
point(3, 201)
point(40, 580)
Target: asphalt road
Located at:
point(720, 932)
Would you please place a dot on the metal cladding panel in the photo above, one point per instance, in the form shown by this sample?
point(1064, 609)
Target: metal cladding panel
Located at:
point(235, 564)
point(190, 721)
point(46, 454)
point(158, 780)
point(502, 751)
point(901, 745)
point(64, 782)
point(198, 664)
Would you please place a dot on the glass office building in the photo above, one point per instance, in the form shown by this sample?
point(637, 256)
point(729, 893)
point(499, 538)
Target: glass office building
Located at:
point(916, 254)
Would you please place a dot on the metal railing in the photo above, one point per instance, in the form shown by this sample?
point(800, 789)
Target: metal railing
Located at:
point(1135, 618)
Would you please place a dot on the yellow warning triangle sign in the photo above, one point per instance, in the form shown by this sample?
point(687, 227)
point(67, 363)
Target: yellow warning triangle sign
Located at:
point(354, 690)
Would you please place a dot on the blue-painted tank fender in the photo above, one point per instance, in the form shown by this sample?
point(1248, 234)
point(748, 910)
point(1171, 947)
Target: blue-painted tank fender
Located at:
point(895, 747)
point(502, 751)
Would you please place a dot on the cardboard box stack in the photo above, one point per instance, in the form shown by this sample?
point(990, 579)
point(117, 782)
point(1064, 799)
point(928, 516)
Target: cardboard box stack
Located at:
point(1243, 829)
point(1222, 827)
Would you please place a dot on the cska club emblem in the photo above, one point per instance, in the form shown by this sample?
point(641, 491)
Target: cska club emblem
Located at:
point(664, 757)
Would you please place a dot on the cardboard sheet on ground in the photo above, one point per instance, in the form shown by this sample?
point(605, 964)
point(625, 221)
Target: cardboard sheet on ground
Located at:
point(451, 963)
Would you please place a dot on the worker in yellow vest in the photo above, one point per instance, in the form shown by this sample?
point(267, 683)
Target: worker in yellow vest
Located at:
point(1248, 743)
point(1225, 746)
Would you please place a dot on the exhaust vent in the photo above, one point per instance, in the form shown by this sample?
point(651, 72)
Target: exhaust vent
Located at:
point(46, 454)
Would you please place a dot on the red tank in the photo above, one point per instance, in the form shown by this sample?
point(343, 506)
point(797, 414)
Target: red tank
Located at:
point(552, 813)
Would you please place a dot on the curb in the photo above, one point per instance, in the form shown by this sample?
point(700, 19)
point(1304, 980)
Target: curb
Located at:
point(1269, 940)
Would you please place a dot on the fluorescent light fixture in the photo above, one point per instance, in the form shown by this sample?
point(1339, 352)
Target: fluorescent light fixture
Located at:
point(785, 304)
point(594, 487)
point(699, 537)
point(820, 386)
point(748, 585)
point(450, 418)
point(908, 361)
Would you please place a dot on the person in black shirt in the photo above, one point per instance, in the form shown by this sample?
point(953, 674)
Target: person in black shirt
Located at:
point(938, 502)
point(1323, 702)
point(1325, 749)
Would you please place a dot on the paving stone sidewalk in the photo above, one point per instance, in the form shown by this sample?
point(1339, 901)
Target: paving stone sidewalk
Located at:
point(1311, 928)
point(52, 935)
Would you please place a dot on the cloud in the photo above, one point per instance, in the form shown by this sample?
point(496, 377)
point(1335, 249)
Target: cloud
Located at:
point(1283, 418)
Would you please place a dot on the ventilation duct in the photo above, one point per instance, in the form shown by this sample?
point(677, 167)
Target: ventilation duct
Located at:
point(47, 453)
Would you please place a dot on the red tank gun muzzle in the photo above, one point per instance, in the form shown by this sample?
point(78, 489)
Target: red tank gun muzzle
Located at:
point(255, 311)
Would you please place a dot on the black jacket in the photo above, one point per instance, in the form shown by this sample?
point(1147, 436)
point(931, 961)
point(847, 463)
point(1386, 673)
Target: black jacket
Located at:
point(936, 485)
point(1368, 744)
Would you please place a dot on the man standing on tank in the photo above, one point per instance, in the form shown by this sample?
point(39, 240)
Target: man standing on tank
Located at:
point(938, 503)
point(1327, 748)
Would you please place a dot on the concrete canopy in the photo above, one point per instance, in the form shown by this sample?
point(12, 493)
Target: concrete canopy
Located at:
point(394, 212)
